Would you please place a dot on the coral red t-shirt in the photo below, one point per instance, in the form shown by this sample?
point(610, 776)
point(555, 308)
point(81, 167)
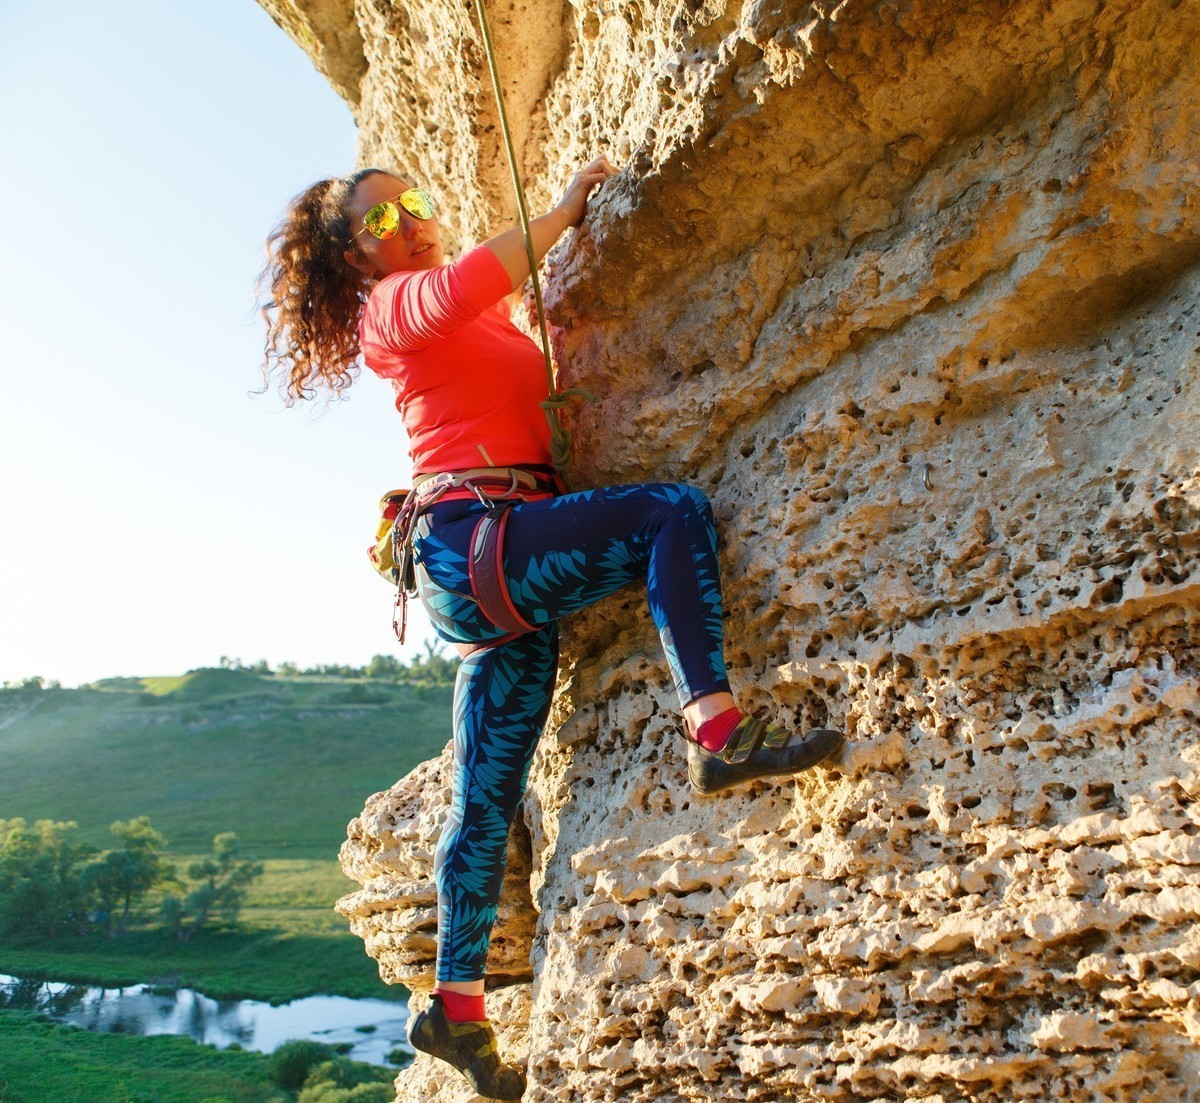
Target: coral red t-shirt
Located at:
point(467, 381)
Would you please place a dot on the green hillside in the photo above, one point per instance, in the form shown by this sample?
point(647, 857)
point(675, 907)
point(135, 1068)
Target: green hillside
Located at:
point(284, 762)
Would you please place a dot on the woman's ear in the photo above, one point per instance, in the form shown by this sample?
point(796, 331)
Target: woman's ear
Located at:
point(356, 260)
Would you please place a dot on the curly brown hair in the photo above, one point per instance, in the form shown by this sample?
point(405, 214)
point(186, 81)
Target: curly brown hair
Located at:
point(316, 298)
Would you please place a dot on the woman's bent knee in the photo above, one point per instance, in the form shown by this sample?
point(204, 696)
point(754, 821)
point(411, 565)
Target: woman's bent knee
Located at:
point(692, 497)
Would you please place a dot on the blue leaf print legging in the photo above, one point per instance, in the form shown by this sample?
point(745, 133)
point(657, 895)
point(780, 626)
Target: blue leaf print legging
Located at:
point(560, 555)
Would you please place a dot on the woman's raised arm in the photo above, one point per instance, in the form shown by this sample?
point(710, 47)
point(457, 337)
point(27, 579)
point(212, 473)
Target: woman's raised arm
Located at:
point(509, 246)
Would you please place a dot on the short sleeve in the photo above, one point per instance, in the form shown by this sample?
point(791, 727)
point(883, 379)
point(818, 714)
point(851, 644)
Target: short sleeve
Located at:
point(408, 311)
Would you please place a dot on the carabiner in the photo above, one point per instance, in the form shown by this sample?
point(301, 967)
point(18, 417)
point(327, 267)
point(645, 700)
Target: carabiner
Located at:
point(481, 495)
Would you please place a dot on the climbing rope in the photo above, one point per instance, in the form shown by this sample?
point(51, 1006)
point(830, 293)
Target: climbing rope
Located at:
point(560, 439)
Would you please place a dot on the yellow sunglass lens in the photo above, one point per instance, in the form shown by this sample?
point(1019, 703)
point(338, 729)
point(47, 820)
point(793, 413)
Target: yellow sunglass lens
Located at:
point(383, 220)
point(417, 203)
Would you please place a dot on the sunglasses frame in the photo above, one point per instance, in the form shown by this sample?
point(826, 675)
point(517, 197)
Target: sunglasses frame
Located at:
point(397, 204)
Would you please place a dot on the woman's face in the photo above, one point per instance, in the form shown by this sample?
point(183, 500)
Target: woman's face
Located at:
point(416, 245)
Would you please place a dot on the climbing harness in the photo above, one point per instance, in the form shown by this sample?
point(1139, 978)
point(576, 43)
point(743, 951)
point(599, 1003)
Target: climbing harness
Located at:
point(497, 488)
point(560, 439)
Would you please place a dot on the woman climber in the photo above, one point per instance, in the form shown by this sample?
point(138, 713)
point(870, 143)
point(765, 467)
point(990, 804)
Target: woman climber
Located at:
point(356, 266)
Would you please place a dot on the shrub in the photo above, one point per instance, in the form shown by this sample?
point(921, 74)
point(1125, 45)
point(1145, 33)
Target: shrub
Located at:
point(340, 1080)
point(361, 1093)
point(291, 1063)
point(322, 1093)
point(341, 1072)
point(372, 1093)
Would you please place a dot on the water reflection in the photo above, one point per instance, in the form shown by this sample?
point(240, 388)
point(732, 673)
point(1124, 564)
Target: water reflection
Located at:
point(372, 1028)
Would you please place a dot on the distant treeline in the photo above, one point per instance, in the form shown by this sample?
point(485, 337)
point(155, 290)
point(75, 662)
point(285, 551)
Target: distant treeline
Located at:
point(432, 667)
point(35, 682)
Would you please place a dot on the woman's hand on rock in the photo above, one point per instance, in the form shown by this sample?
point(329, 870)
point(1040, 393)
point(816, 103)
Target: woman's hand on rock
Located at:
point(546, 229)
point(574, 201)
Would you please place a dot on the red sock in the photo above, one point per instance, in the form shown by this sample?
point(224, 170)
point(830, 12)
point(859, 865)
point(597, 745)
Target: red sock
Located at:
point(713, 734)
point(460, 1008)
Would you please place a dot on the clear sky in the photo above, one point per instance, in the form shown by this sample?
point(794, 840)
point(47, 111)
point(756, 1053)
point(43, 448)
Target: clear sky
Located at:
point(156, 513)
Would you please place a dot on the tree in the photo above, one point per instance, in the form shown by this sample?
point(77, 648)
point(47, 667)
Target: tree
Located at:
point(217, 892)
point(121, 877)
point(433, 666)
point(35, 683)
point(41, 887)
point(383, 666)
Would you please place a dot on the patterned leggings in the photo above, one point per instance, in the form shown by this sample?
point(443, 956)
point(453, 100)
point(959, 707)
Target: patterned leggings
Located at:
point(560, 555)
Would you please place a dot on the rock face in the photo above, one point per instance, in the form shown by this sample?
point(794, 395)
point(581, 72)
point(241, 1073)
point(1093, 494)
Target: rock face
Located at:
point(911, 290)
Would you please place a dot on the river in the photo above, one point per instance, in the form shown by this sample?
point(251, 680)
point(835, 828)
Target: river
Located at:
point(373, 1028)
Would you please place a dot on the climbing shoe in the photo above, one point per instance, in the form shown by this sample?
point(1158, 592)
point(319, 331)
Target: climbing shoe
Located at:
point(757, 749)
point(469, 1047)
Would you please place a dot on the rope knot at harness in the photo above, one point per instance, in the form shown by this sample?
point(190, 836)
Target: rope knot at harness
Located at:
point(560, 438)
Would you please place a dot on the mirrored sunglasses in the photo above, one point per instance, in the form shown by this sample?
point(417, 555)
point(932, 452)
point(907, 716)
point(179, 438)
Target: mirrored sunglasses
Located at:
point(383, 219)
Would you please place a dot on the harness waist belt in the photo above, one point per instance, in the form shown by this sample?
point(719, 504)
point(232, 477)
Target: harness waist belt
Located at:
point(515, 476)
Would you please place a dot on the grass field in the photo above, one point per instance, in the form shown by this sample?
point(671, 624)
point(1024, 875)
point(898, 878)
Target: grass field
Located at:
point(286, 763)
point(41, 1062)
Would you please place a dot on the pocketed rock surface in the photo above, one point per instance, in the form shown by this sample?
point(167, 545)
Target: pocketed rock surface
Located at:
point(911, 290)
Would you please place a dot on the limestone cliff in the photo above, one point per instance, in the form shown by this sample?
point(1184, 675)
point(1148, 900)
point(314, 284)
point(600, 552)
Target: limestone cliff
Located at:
point(910, 289)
